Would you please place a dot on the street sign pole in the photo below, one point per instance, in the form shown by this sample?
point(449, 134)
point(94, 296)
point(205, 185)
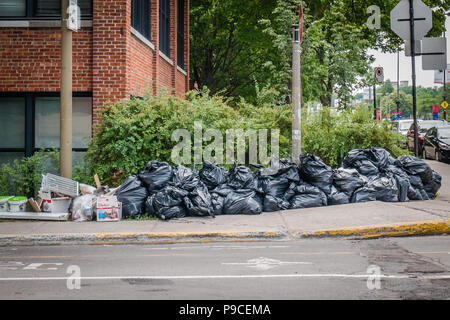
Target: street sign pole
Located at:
point(413, 66)
point(398, 82)
point(375, 102)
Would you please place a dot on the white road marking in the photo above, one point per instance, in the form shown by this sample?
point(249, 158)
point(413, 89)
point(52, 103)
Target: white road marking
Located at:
point(199, 277)
point(36, 266)
point(264, 263)
point(217, 247)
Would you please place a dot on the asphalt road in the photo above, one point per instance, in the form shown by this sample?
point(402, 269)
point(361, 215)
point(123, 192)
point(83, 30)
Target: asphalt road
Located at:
point(390, 268)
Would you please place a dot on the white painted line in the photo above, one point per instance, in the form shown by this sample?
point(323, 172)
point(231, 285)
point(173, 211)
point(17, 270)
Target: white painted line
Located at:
point(264, 263)
point(267, 276)
point(217, 247)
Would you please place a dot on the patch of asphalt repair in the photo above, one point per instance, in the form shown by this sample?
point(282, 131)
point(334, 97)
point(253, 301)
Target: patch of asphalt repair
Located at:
point(394, 259)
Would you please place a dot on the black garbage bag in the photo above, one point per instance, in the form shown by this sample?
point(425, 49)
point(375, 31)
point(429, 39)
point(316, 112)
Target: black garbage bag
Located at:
point(402, 179)
point(314, 171)
point(348, 180)
point(217, 203)
point(360, 160)
point(416, 182)
point(336, 197)
point(222, 190)
point(168, 203)
point(156, 176)
point(286, 169)
point(364, 194)
point(272, 203)
point(308, 196)
point(242, 177)
point(379, 157)
point(414, 193)
point(198, 202)
point(432, 187)
point(184, 178)
point(149, 209)
point(415, 167)
point(132, 193)
point(385, 187)
point(274, 189)
point(274, 182)
point(212, 175)
point(243, 201)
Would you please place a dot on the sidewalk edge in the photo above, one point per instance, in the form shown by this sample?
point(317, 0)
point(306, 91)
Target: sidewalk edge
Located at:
point(421, 228)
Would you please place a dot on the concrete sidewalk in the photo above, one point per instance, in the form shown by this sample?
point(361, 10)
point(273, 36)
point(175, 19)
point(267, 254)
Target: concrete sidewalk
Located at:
point(361, 220)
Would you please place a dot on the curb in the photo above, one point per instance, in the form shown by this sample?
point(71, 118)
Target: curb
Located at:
point(139, 238)
point(379, 231)
point(422, 228)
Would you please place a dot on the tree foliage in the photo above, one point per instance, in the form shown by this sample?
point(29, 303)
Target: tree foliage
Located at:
point(244, 48)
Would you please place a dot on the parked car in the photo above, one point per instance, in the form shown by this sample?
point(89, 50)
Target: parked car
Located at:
point(423, 125)
point(436, 144)
point(404, 125)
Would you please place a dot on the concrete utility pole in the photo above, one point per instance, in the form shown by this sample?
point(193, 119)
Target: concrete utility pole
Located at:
point(296, 96)
point(66, 95)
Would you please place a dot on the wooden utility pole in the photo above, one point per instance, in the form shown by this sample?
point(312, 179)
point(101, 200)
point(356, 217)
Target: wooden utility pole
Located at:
point(66, 95)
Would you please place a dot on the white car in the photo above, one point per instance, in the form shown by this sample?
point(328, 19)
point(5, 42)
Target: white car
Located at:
point(404, 125)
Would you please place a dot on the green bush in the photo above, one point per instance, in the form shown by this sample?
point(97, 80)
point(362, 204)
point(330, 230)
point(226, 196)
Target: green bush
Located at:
point(331, 137)
point(136, 131)
point(23, 177)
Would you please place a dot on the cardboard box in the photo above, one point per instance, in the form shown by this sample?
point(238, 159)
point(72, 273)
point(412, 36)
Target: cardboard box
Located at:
point(108, 209)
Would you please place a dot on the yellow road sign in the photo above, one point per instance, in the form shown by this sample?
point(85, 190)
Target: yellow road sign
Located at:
point(444, 104)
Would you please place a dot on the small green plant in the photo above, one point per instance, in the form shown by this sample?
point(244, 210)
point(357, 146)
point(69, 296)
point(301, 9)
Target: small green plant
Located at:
point(23, 177)
point(332, 136)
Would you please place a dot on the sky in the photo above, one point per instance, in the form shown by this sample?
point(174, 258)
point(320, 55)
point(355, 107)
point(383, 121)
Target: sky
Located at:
point(424, 78)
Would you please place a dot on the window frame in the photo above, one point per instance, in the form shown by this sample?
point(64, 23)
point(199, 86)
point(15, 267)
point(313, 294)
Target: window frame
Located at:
point(141, 18)
point(181, 33)
point(30, 13)
point(164, 27)
point(30, 104)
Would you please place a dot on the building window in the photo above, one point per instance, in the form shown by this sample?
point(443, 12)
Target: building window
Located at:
point(32, 123)
point(49, 9)
point(180, 34)
point(164, 27)
point(12, 122)
point(13, 8)
point(140, 17)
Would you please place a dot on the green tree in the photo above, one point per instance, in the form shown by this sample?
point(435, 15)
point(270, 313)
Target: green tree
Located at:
point(389, 105)
point(386, 88)
point(239, 46)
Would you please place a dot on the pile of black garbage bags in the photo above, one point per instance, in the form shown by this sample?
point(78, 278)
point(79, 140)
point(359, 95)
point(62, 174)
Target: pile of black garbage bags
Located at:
point(365, 175)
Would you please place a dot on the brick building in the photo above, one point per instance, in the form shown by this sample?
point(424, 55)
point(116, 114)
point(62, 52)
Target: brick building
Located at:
point(125, 48)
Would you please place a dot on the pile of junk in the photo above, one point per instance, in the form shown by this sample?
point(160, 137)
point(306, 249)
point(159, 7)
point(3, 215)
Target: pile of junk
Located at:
point(167, 192)
point(64, 199)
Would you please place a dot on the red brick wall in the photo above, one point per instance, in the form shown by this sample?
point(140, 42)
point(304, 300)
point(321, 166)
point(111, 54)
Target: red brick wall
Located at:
point(108, 60)
point(180, 83)
point(30, 59)
point(111, 32)
point(140, 67)
point(165, 74)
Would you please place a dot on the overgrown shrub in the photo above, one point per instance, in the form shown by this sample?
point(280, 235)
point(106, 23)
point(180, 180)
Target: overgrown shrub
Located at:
point(23, 177)
point(331, 137)
point(136, 131)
